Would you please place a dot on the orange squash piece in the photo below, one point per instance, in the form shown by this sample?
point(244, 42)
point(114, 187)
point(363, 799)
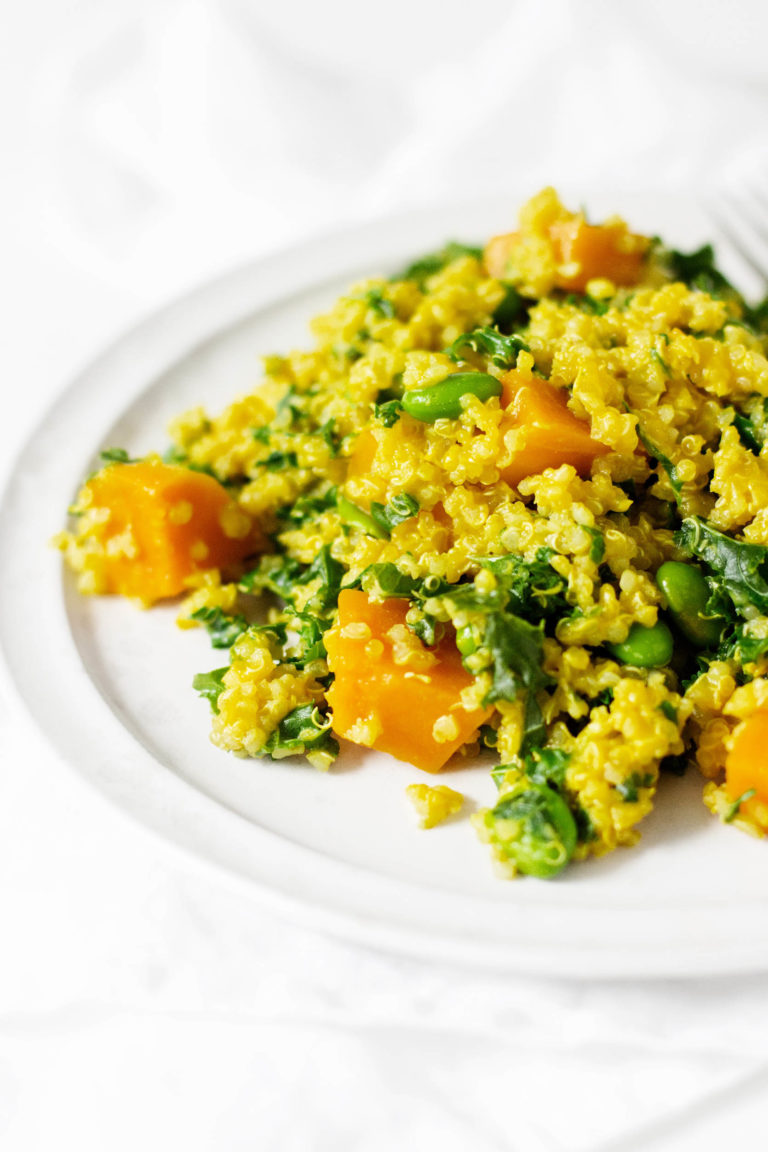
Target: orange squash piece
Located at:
point(359, 468)
point(496, 254)
point(158, 524)
point(548, 432)
point(581, 252)
point(607, 251)
point(390, 706)
point(746, 766)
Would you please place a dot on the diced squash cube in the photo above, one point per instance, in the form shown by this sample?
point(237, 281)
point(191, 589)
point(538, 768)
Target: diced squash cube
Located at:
point(153, 525)
point(392, 693)
point(547, 434)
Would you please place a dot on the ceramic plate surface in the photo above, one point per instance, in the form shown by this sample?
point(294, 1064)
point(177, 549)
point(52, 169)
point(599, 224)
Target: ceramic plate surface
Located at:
point(340, 851)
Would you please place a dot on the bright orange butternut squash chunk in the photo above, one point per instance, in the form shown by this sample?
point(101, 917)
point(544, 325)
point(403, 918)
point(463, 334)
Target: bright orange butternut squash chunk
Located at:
point(157, 524)
point(587, 252)
point(390, 692)
point(555, 248)
point(747, 765)
point(496, 254)
point(360, 468)
point(547, 432)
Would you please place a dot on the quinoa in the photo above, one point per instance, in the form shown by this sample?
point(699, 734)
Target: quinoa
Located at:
point(668, 376)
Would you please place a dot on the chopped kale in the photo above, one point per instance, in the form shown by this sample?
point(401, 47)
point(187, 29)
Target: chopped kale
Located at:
point(588, 303)
point(379, 304)
point(331, 437)
point(501, 350)
point(532, 590)
point(739, 645)
point(515, 647)
point(290, 409)
point(597, 548)
point(420, 270)
point(512, 312)
point(629, 789)
point(674, 765)
point(399, 509)
point(697, 269)
point(753, 429)
point(210, 685)
point(739, 569)
point(389, 581)
point(175, 455)
point(309, 631)
point(547, 766)
point(733, 810)
point(389, 412)
point(278, 460)
point(330, 573)
point(278, 574)
point(656, 454)
point(669, 710)
point(489, 737)
point(309, 507)
point(305, 731)
point(657, 357)
point(117, 456)
point(222, 628)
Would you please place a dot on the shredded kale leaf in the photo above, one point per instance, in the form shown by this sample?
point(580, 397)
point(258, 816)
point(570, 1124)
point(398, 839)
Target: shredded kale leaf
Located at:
point(273, 573)
point(738, 569)
point(399, 509)
point(547, 766)
point(222, 628)
point(502, 350)
point(533, 590)
point(732, 810)
point(379, 304)
point(117, 456)
point(309, 631)
point(516, 651)
point(743, 647)
point(597, 548)
point(753, 429)
point(589, 304)
point(629, 789)
point(306, 731)
point(420, 270)
point(513, 310)
point(210, 685)
point(664, 461)
point(330, 572)
point(282, 574)
point(697, 269)
point(309, 507)
point(389, 412)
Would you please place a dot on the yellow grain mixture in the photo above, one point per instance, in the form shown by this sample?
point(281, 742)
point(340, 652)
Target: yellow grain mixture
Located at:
point(514, 498)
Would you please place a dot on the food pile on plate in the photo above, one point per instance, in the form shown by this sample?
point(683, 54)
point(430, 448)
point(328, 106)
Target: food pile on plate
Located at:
point(514, 499)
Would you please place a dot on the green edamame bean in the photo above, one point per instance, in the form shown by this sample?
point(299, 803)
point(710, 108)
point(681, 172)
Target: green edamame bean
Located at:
point(534, 828)
point(686, 591)
point(645, 647)
point(443, 400)
point(465, 640)
point(349, 513)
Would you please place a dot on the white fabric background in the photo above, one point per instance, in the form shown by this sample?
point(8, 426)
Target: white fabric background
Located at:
point(147, 145)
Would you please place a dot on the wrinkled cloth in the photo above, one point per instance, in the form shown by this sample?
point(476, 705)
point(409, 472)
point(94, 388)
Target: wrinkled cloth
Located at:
point(145, 1002)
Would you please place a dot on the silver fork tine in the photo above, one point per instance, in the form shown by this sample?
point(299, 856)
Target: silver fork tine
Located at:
point(746, 231)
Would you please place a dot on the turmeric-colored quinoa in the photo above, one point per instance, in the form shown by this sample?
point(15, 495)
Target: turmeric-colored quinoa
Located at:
point(514, 498)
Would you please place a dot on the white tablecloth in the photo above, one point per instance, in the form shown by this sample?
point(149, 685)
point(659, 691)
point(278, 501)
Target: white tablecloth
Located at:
point(143, 1001)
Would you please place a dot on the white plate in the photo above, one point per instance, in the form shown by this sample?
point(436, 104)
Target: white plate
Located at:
point(110, 685)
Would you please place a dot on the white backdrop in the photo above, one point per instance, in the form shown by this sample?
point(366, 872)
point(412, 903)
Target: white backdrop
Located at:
point(147, 145)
